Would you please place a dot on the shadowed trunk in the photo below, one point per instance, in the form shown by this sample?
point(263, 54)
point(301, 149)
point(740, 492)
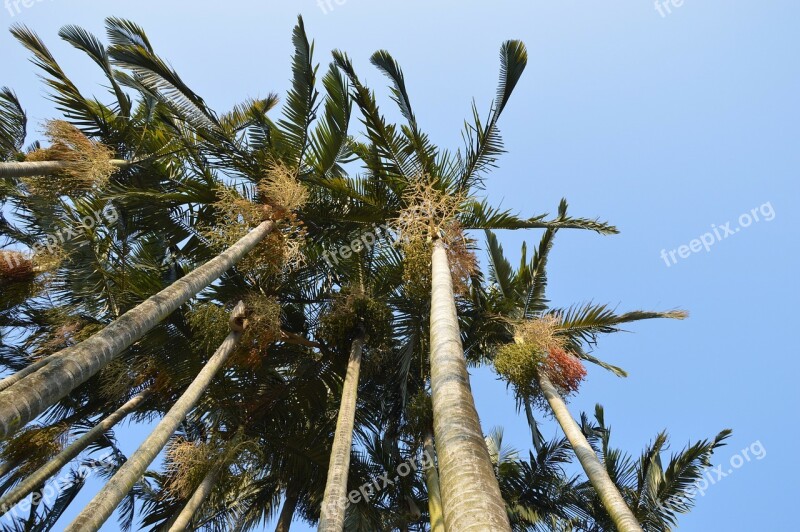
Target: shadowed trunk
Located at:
point(287, 512)
point(334, 501)
point(432, 484)
point(37, 479)
point(32, 395)
point(606, 489)
point(104, 503)
point(470, 493)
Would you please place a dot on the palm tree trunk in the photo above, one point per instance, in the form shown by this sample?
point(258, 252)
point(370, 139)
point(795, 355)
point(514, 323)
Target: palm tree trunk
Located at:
point(27, 486)
point(35, 168)
point(609, 494)
point(32, 395)
point(470, 493)
point(334, 500)
point(432, 483)
point(104, 503)
point(287, 512)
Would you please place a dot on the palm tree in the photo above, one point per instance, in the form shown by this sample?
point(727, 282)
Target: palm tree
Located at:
point(104, 503)
point(67, 369)
point(657, 492)
point(427, 194)
point(538, 492)
point(333, 504)
point(518, 298)
point(357, 321)
point(288, 144)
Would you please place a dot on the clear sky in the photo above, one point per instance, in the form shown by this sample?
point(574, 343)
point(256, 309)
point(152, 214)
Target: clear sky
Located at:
point(662, 122)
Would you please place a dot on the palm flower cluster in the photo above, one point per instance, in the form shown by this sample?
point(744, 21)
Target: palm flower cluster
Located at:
point(88, 162)
point(539, 349)
point(433, 214)
point(282, 348)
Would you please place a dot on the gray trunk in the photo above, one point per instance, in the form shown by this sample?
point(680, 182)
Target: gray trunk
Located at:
point(104, 503)
point(32, 395)
point(37, 479)
point(334, 502)
point(610, 496)
point(470, 493)
point(34, 168)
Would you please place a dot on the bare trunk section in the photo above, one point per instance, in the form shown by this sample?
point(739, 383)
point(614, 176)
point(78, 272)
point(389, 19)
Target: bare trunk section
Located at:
point(612, 500)
point(104, 503)
point(335, 498)
point(287, 512)
point(470, 493)
point(34, 168)
point(432, 484)
point(32, 395)
point(37, 479)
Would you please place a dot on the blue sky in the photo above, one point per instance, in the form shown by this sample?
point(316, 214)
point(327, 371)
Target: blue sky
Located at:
point(662, 125)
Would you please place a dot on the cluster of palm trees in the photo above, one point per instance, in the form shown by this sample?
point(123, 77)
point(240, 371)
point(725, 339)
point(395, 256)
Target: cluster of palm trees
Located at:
point(282, 380)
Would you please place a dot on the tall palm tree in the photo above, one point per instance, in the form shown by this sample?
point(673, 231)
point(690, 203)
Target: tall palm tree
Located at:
point(333, 503)
point(290, 142)
point(359, 321)
point(104, 503)
point(429, 195)
point(516, 298)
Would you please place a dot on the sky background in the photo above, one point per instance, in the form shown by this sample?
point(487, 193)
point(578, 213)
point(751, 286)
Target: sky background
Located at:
point(662, 125)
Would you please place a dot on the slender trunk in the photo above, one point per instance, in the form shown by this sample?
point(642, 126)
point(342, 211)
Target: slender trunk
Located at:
point(34, 168)
point(334, 500)
point(104, 503)
point(197, 499)
point(432, 483)
point(470, 493)
point(32, 395)
point(609, 494)
point(287, 512)
point(38, 478)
